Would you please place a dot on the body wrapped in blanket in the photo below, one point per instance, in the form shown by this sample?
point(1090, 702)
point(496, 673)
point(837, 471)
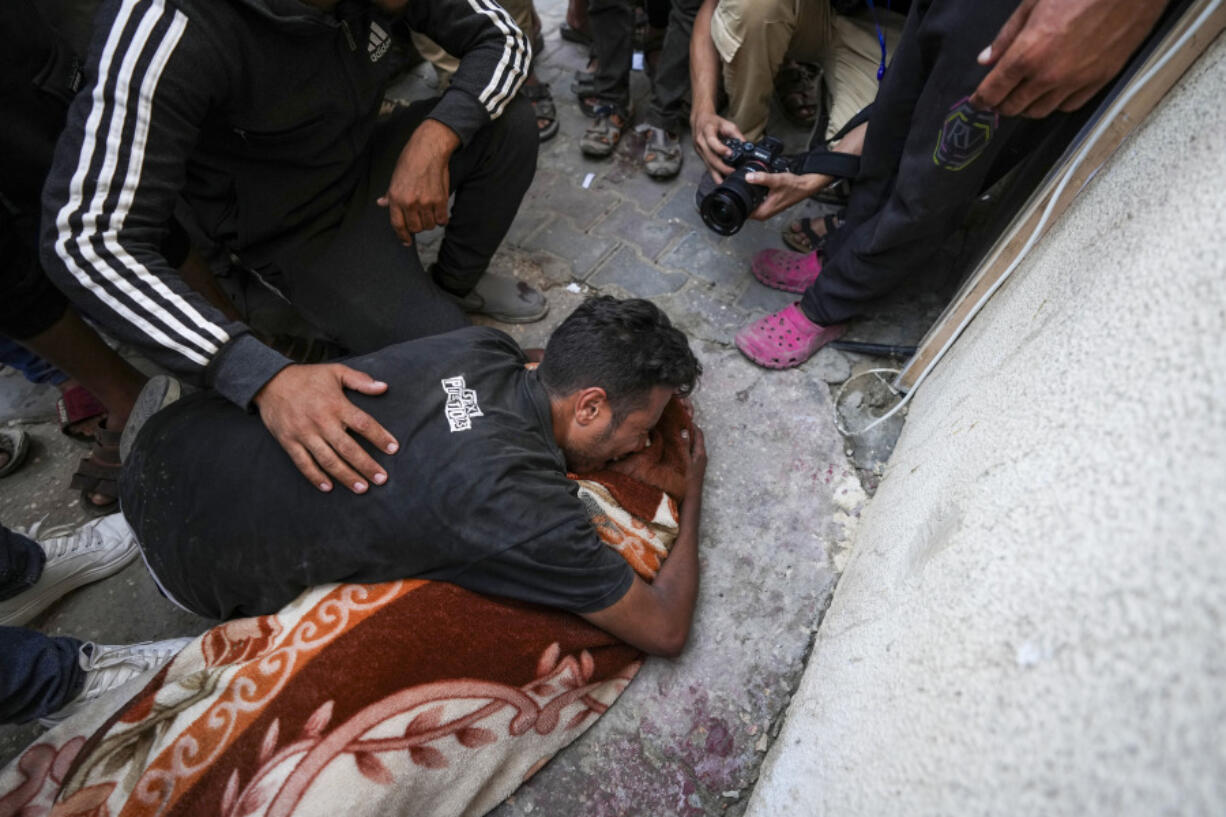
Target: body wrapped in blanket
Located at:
point(408, 697)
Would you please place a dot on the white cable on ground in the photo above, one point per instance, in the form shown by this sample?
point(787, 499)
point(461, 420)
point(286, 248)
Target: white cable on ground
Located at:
point(838, 420)
point(1100, 128)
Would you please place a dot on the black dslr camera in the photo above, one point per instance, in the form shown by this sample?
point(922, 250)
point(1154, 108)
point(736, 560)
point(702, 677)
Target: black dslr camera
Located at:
point(726, 207)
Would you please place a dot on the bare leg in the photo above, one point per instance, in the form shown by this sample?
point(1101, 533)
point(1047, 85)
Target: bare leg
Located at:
point(576, 15)
point(76, 349)
point(852, 143)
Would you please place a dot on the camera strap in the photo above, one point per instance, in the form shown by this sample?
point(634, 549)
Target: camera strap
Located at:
point(829, 162)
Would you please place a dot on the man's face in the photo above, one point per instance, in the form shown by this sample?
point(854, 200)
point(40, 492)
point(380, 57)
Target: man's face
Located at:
point(594, 445)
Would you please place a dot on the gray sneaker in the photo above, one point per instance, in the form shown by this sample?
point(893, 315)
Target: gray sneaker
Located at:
point(158, 393)
point(89, 553)
point(109, 667)
point(504, 299)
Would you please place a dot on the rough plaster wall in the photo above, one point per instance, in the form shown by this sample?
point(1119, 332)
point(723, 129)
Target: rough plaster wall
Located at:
point(1032, 619)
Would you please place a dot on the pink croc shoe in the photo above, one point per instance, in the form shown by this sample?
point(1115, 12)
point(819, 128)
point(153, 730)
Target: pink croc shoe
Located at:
point(785, 339)
point(789, 271)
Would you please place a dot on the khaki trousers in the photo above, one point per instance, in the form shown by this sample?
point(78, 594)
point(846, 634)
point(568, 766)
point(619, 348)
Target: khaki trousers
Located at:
point(754, 37)
point(445, 64)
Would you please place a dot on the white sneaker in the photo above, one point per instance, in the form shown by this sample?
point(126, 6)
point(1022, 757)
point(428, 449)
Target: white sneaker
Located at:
point(109, 667)
point(91, 552)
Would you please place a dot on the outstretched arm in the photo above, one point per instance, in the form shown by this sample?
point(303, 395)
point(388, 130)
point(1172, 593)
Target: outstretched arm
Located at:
point(656, 617)
point(1055, 54)
point(119, 167)
point(786, 189)
point(708, 127)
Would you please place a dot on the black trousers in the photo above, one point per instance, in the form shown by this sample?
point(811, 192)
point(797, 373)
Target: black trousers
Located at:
point(359, 284)
point(671, 84)
point(612, 23)
point(925, 158)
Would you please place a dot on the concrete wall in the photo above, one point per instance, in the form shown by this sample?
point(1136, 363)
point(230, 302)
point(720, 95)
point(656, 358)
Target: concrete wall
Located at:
point(1032, 620)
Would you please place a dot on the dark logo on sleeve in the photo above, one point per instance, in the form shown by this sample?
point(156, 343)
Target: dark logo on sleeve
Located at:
point(964, 135)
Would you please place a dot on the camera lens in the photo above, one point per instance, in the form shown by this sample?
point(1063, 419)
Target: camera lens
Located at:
point(726, 207)
point(723, 212)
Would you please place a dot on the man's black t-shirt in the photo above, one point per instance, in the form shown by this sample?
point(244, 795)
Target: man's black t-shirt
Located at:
point(477, 495)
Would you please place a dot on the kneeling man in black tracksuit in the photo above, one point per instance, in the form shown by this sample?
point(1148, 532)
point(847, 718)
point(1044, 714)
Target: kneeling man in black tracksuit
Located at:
point(479, 496)
point(264, 116)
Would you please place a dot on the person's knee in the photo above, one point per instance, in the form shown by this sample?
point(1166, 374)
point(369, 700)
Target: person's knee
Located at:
point(515, 141)
point(428, 312)
point(749, 20)
point(519, 123)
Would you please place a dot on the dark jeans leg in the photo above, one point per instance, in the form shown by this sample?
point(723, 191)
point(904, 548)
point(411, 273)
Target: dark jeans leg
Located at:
point(490, 176)
point(39, 674)
point(612, 27)
point(364, 287)
point(925, 157)
point(672, 80)
point(35, 369)
point(21, 563)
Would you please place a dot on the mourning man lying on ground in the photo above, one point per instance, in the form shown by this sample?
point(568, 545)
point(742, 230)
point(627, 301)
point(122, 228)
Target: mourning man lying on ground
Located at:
point(478, 495)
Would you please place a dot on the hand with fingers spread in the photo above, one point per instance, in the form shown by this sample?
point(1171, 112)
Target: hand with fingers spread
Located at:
point(416, 197)
point(709, 131)
point(305, 409)
point(1055, 54)
point(785, 189)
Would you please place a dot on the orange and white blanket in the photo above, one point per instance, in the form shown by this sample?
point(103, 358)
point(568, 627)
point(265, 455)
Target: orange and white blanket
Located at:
point(408, 697)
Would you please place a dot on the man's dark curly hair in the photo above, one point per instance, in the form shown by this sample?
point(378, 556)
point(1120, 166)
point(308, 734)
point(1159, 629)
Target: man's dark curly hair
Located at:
point(624, 347)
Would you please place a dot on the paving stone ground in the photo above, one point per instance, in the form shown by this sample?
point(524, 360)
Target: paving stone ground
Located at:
point(782, 500)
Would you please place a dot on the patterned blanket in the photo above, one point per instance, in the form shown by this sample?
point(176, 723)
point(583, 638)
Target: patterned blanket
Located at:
point(408, 697)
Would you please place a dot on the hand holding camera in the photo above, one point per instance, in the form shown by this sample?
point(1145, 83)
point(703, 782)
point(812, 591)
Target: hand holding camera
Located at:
point(726, 207)
point(763, 181)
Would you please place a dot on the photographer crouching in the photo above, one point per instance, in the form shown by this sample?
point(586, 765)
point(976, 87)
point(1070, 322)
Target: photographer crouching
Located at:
point(964, 77)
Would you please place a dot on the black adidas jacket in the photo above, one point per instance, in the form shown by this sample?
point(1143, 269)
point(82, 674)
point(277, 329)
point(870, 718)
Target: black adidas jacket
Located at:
point(257, 112)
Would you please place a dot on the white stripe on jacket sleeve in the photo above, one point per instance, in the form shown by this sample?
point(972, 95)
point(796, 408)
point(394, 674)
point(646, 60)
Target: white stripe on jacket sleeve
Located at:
point(105, 278)
point(509, 72)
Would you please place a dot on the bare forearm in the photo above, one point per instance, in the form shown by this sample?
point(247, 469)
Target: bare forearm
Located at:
point(677, 582)
point(853, 142)
point(656, 617)
point(704, 62)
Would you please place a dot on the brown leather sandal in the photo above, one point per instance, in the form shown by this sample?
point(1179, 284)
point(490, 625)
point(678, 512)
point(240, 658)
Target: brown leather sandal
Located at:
point(98, 474)
point(800, 235)
point(602, 136)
